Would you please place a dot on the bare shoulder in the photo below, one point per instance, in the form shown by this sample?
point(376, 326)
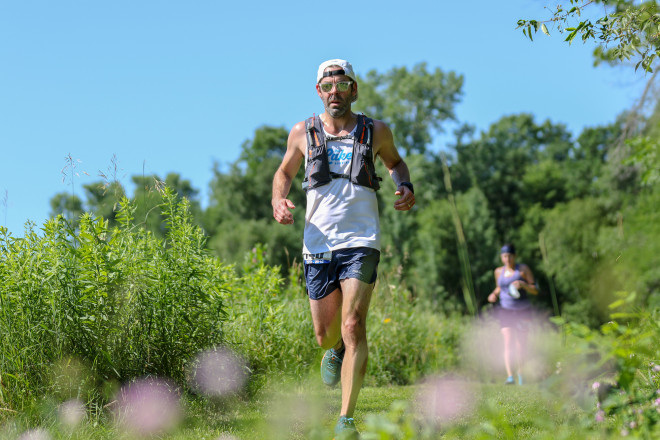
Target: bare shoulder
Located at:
point(382, 133)
point(498, 271)
point(297, 138)
point(383, 144)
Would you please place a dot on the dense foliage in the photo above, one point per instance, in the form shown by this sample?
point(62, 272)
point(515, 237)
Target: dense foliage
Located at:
point(119, 302)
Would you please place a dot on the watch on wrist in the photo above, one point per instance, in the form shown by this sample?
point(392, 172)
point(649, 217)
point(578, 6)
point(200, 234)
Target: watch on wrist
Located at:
point(408, 185)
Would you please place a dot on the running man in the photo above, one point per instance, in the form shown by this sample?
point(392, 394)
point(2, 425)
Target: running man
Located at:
point(341, 244)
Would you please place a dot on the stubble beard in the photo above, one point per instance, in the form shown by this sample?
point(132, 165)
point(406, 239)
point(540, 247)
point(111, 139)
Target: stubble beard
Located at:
point(338, 112)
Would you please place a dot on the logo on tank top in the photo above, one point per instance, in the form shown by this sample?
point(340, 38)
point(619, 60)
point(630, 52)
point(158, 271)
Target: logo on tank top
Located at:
point(340, 156)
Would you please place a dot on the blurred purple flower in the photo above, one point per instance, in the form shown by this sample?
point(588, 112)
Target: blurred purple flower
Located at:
point(148, 407)
point(35, 434)
point(218, 372)
point(71, 413)
point(600, 416)
point(446, 398)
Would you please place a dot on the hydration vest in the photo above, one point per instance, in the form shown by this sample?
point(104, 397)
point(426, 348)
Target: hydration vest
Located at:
point(362, 170)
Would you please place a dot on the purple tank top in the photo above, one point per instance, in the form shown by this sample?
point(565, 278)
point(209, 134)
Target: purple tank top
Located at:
point(506, 300)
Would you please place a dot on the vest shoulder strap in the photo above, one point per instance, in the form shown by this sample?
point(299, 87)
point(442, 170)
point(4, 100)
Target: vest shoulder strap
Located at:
point(314, 130)
point(364, 129)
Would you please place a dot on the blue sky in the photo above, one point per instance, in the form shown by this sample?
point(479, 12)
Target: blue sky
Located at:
point(174, 86)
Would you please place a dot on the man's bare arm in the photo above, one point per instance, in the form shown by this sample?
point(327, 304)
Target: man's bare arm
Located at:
point(285, 174)
point(384, 147)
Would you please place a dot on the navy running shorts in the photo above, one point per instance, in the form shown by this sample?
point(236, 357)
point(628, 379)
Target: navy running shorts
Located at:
point(323, 272)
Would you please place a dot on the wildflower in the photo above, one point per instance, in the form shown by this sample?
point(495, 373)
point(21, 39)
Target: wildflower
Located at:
point(656, 367)
point(633, 425)
point(657, 402)
point(386, 320)
point(595, 385)
point(600, 416)
point(624, 432)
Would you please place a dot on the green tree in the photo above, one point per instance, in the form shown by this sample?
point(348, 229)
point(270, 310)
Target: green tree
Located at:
point(240, 215)
point(516, 164)
point(103, 200)
point(68, 205)
point(436, 271)
point(571, 235)
point(148, 200)
point(589, 158)
point(415, 103)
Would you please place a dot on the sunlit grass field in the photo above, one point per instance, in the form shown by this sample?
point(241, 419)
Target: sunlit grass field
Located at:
point(309, 412)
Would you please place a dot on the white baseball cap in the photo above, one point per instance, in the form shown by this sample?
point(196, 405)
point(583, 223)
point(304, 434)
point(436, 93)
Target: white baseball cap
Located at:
point(345, 65)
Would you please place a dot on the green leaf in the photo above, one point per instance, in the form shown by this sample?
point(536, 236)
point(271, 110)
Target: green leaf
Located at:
point(616, 304)
point(545, 29)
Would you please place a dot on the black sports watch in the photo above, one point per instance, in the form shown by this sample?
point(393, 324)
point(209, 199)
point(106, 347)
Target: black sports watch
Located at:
point(408, 185)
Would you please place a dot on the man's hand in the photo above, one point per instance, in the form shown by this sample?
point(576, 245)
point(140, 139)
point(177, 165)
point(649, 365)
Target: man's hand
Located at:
point(406, 200)
point(281, 211)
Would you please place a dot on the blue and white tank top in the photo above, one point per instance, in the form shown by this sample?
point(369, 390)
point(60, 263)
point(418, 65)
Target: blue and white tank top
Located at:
point(506, 300)
point(341, 214)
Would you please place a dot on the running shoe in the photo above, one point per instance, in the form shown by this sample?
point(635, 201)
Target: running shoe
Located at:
point(331, 366)
point(345, 429)
point(510, 381)
point(520, 380)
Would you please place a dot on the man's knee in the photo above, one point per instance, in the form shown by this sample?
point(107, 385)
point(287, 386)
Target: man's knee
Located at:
point(354, 328)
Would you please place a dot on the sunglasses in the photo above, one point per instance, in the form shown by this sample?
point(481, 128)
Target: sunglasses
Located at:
point(342, 86)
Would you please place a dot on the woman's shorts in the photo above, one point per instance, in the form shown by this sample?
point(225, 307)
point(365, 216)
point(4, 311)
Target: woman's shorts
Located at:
point(323, 272)
point(520, 319)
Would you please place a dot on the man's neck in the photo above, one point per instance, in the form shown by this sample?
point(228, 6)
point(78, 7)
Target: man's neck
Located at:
point(338, 126)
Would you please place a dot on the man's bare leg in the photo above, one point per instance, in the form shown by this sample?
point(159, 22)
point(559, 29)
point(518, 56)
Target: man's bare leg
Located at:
point(326, 316)
point(356, 298)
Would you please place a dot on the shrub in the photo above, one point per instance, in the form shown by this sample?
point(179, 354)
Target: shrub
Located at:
point(122, 302)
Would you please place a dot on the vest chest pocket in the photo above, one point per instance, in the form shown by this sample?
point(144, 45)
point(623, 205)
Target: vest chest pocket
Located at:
point(318, 168)
point(363, 171)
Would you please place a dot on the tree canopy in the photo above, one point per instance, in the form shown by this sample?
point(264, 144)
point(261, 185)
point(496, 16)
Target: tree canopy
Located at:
point(629, 30)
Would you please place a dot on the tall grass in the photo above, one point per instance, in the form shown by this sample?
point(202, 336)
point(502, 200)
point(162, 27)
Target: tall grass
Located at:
point(120, 302)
